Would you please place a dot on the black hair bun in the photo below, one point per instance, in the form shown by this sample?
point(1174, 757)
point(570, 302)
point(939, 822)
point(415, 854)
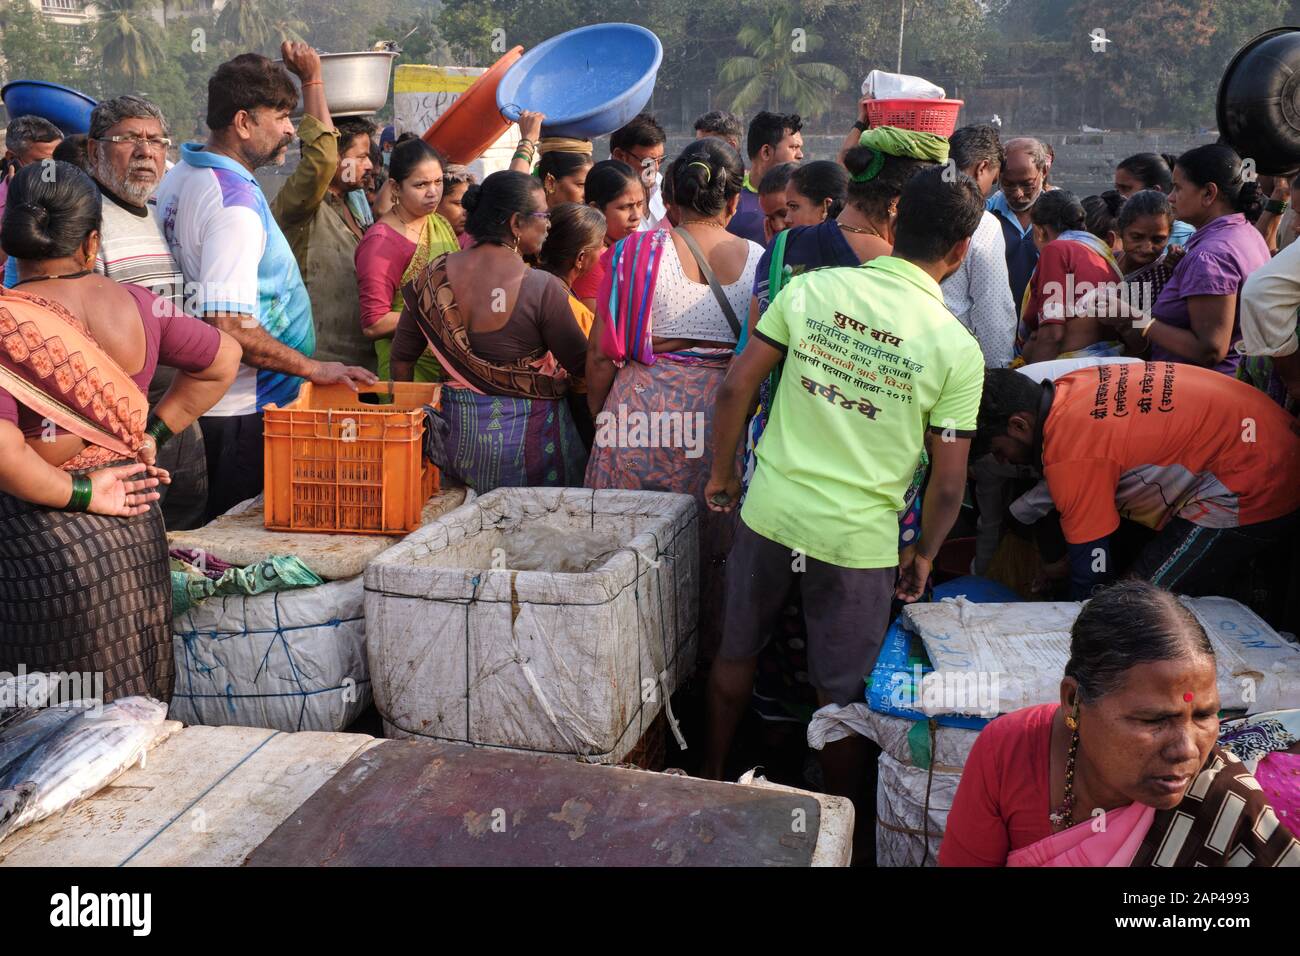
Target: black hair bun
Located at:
point(470, 199)
point(39, 214)
point(858, 160)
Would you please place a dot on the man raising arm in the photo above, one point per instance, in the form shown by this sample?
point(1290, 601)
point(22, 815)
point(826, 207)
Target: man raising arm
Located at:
point(240, 272)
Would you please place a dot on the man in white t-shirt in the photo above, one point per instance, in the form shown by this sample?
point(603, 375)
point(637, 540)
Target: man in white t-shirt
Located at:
point(239, 270)
point(979, 292)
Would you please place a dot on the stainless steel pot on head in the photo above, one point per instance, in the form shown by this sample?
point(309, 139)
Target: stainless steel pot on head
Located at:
point(355, 83)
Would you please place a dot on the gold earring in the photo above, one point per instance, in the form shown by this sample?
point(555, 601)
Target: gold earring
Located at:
point(1072, 720)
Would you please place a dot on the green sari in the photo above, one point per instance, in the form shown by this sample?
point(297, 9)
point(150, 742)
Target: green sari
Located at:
point(436, 237)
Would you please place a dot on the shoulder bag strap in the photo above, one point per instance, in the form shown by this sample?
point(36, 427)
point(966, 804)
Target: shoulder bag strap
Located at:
point(712, 280)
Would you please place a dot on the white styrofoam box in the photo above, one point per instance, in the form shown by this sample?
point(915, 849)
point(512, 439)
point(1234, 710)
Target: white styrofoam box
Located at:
point(835, 832)
point(951, 745)
point(242, 782)
point(287, 660)
point(901, 803)
point(551, 662)
point(1018, 653)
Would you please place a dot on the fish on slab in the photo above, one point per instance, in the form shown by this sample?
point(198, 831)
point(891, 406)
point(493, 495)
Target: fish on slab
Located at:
point(75, 758)
point(30, 727)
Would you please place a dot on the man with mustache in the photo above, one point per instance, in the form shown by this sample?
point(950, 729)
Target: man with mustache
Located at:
point(240, 272)
point(1023, 179)
point(126, 153)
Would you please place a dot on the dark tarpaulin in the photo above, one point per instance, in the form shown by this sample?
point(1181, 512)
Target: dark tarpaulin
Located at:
point(417, 803)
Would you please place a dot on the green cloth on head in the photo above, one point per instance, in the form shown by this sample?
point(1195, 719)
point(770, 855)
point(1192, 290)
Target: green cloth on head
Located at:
point(892, 141)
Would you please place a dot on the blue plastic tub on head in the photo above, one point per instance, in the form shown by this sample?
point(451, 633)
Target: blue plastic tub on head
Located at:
point(587, 82)
point(66, 108)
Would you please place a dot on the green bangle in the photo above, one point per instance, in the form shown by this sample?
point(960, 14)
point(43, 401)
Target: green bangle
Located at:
point(1276, 206)
point(80, 500)
point(158, 430)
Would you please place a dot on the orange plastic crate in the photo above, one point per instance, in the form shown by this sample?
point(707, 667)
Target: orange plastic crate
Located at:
point(925, 116)
point(339, 460)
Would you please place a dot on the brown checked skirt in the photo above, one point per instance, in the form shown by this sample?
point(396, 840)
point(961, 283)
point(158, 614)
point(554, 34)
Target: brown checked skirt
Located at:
point(86, 593)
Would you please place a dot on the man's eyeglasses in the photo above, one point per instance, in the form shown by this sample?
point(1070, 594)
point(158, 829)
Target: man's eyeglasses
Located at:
point(153, 142)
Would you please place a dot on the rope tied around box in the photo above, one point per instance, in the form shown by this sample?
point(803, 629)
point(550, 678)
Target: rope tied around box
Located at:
point(564, 716)
point(193, 664)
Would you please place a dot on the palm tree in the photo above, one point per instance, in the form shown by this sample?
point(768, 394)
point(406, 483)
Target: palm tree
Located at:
point(776, 68)
point(242, 24)
point(259, 26)
point(125, 37)
point(283, 21)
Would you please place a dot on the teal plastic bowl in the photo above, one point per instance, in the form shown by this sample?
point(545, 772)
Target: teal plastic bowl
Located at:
point(588, 82)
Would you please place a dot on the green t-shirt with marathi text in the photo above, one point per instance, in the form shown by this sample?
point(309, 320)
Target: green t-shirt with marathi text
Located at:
point(873, 359)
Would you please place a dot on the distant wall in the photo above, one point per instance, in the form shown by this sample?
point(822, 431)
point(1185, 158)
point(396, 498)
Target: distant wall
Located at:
point(1085, 162)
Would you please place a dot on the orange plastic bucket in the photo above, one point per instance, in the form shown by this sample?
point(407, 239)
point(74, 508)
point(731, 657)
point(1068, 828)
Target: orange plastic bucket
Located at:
point(473, 122)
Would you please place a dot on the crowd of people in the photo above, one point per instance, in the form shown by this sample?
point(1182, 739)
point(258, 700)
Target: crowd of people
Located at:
point(852, 351)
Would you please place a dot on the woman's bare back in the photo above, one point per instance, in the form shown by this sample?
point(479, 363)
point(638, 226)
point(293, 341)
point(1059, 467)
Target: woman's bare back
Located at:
point(109, 311)
point(726, 254)
point(486, 284)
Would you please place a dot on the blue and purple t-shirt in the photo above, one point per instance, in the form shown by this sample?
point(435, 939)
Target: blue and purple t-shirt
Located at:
point(219, 227)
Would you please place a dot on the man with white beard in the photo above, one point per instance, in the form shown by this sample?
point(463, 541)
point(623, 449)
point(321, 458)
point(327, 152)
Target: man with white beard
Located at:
point(127, 150)
point(1023, 179)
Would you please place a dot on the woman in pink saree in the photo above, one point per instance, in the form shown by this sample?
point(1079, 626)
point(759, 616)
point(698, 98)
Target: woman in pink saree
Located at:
point(1126, 770)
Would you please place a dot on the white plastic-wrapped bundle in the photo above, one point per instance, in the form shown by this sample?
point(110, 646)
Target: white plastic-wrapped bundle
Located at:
point(949, 746)
point(906, 798)
point(575, 658)
point(1013, 655)
point(879, 85)
point(287, 660)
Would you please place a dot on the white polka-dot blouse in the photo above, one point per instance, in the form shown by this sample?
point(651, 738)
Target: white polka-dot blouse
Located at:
point(684, 309)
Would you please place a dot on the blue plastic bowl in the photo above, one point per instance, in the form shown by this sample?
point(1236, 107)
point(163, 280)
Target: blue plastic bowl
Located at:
point(588, 82)
point(64, 107)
